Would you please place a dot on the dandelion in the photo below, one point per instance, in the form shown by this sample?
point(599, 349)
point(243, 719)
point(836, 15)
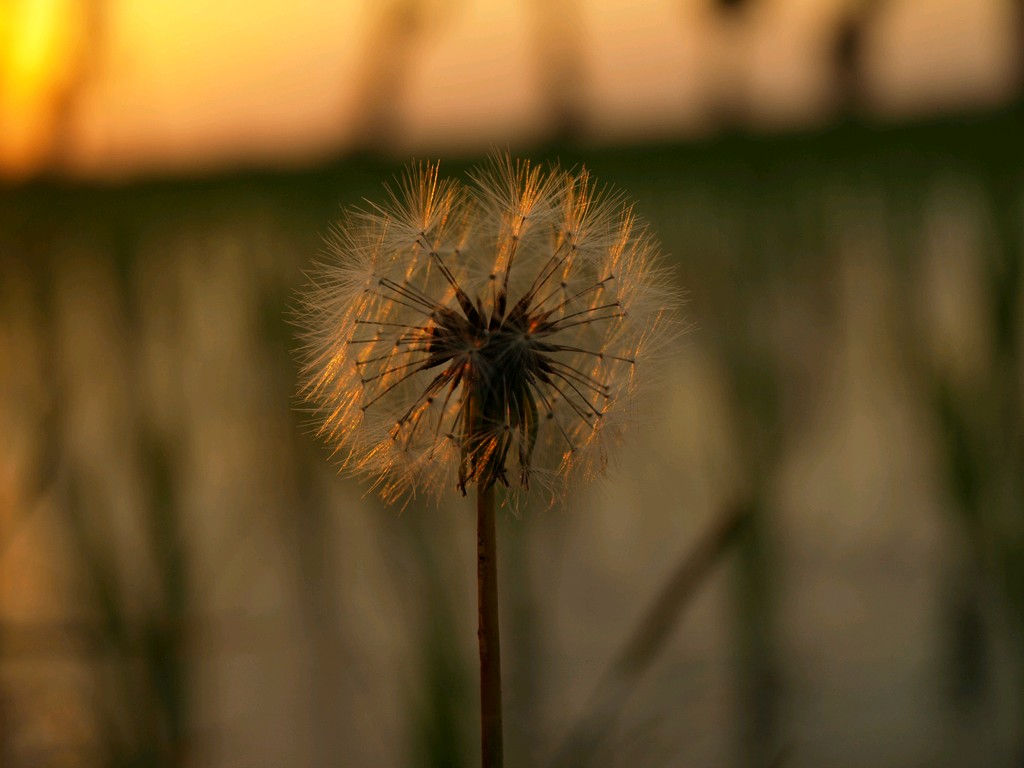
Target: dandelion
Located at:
point(490, 335)
point(494, 335)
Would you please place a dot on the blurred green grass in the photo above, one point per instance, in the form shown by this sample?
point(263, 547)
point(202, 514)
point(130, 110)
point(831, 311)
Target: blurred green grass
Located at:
point(185, 582)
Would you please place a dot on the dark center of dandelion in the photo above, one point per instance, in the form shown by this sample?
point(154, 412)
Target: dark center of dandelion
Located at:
point(499, 362)
point(505, 371)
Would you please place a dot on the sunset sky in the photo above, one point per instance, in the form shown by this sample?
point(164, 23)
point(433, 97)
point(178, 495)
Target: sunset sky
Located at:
point(127, 86)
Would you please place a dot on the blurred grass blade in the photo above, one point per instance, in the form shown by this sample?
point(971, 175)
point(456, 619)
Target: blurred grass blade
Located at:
point(648, 639)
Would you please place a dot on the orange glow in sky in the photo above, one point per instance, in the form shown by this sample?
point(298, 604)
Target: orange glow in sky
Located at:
point(36, 41)
point(186, 85)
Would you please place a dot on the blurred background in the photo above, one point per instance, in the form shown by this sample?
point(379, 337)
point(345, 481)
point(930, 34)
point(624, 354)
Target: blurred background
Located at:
point(185, 580)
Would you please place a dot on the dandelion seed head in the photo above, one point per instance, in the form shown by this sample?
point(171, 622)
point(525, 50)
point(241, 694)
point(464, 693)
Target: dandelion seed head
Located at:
point(483, 334)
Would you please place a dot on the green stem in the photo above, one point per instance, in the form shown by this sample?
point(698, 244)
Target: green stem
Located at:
point(490, 649)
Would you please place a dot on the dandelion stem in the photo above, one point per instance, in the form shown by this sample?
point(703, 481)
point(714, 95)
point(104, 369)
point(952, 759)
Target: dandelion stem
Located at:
point(490, 650)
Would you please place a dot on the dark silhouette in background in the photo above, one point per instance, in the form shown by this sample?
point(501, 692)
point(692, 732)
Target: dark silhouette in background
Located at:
point(558, 33)
point(856, 23)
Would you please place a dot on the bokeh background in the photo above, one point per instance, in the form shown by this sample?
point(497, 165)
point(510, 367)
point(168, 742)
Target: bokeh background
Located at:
point(186, 581)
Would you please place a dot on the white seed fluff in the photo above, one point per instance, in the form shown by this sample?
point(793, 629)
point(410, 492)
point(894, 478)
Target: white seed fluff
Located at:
point(497, 332)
